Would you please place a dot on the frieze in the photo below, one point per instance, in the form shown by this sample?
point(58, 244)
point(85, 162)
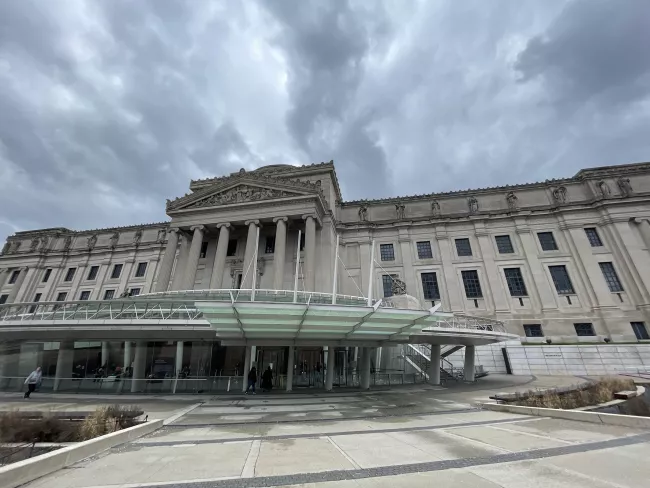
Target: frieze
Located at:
point(242, 194)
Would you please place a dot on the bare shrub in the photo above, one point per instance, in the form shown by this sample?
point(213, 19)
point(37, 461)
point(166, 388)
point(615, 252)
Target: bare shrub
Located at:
point(14, 427)
point(108, 419)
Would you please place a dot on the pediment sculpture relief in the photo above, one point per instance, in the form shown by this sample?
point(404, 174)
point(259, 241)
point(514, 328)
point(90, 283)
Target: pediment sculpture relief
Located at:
point(241, 194)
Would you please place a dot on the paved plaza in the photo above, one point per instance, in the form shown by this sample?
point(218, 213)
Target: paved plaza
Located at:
point(418, 436)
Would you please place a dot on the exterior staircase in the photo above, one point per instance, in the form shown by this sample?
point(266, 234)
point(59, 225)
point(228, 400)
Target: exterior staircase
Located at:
point(419, 357)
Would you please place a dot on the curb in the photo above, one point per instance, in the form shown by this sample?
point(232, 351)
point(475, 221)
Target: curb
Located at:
point(578, 415)
point(28, 470)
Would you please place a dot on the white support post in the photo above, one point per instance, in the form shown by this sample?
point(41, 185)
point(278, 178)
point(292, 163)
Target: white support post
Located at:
point(295, 279)
point(371, 272)
point(290, 369)
point(434, 365)
point(336, 271)
point(469, 370)
point(247, 367)
point(257, 247)
point(331, 362)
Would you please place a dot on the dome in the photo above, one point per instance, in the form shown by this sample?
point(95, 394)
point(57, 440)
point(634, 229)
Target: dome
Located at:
point(273, 167)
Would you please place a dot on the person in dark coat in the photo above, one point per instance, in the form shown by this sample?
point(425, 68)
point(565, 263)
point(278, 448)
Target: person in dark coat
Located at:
point(267, 379)
point(252, 379)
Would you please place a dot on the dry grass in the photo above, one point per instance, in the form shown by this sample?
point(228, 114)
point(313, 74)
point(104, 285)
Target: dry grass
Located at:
point(108, 419)
point(15, 428)
point(600, 392)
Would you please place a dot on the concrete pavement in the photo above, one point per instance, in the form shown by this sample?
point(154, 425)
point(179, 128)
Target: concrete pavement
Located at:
point(413, 437)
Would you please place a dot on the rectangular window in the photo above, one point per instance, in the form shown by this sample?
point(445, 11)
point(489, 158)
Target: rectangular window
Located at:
point(584, 330)
point(561, 280)
point(611, 277)
point(14, 277)
point(37, 298)
point(109, 294)
point(640, 331)
point(117, 271)
point(533, 330)
point(594, 238)
point(463, 247)
point(232, 248)
point(547, 241)
point(204, 250)
point(47, 274)
point(386, 252)
point(133, 292)
point(424, 250)
point(302, 241)
point(61, 296)
point(70, 274)
point(92, 274)
point(270, 245)
point(516, 283)
point(387, 282)
point(504, 245)
point(472, 284)
point(141, 270)
point(430, 286)
point(85, 295)
point(3, 299)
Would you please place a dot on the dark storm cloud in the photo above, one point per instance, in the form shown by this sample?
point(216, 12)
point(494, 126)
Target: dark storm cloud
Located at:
point(107, 108)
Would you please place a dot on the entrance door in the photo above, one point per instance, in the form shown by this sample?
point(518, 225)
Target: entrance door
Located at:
point(274, 357)
point(309, 368)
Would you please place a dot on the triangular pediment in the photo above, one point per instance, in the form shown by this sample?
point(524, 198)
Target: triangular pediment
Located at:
point(244, 189)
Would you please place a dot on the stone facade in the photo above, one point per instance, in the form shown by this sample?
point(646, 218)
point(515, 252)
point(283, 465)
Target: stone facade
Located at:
point(601, 215)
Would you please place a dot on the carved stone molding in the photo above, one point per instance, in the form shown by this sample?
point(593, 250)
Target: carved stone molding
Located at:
point(249, 222)
point(242, 194)
point(278, 219)
point(223, 224)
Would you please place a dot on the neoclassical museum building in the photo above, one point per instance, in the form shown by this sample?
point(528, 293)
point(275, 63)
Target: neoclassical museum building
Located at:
point(559, 262)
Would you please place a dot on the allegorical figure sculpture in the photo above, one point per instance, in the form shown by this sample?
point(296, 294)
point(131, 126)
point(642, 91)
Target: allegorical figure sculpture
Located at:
point(472, 203)
point(400, 210)
point(512, 200)
point(363, 213)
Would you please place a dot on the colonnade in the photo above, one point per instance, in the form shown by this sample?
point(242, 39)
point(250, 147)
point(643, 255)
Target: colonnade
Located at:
point(191, 250)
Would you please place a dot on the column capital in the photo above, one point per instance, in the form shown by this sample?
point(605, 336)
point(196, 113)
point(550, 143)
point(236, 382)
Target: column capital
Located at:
point(639, 220)
point(224, 224)
point(256, 222)
point(306, 216)
point(197, 227)
point(173, 230)
point(280, 219)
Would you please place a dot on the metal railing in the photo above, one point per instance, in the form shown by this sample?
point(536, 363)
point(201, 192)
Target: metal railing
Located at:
point(462, 321)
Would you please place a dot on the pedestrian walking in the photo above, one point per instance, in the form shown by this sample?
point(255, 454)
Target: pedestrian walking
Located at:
point(32, 381)
point(252, 379)
point(267, 379)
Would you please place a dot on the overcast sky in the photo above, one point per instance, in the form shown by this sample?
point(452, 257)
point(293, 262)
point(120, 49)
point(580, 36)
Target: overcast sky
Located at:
point(108, 107)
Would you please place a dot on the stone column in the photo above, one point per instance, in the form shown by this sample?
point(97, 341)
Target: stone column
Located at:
point(365, 368)
point(64, 362)
point(193, 257)
point(4, 276)
point(290, 369)
point(331, 362)
point(469, 371)
point(644, 229)
point(139, 366)
point(219, 265)
point(247, 368)
point(280, 253)
point(310, 253)
point(165, 273)
point(104, 353)
point(128, 355)
point(434, 365)
point(249, 255)
point(178, 281)
point(179, 357)
point(16, 286)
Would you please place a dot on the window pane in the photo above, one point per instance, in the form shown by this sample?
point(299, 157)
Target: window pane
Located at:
point(141, 271)
point(85, 295)
point(547, 241)
point(516, 283)
point(232, 247)
point(594, 238)
point(430, 286)
point(117, 270)
point(504, 245)
point(387, 252)
point(61, 296)
point(611, 277)
point(204, 250)
point(14, 277)
point(561, 280)
point(387, 282)
point(472, 284)
point(463, 247)
point(134, 292)
point(270, 245)
point(70, 274)
point(93, 272)
point(109, 294)
point(3, 299)
point(46, 277)
point(640, 331)
point(37, 297)
point(584, 329)
point(424, 250)
point(533, 330)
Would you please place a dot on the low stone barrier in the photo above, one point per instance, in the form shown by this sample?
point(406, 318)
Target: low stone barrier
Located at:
point(578, 415)
point(28, 470)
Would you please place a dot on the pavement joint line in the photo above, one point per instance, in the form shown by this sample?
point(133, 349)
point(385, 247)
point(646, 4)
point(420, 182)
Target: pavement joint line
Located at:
point(343, 453)
point(141, 444)
point(337, 419)
point(364, 473)
point(469, 440)
point(545, 437)
point(248, 471)
point(181, 413)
